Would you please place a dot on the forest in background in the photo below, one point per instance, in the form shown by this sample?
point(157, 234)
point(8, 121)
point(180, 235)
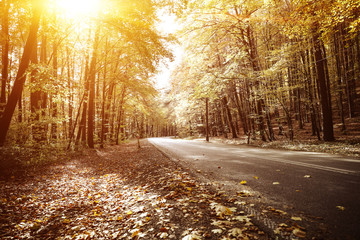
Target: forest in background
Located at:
point(263, 69)
point(81, 80)
point(272, 69)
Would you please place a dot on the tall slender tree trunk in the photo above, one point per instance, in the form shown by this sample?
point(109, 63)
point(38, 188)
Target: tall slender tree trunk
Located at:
point(92, 75)
point(54, 106)
point(104, 122)
point(240, 110)
point(5, 54)
point(256, 67)
point(20, 109)
point(327, 118)
point(229, 117)
point(72, 128)
point(35, 102)
point(82, 125)
point(71, 95)
point(339, 82)
point(19, 82)
point(345, 45)
point(207, 118)
point(43, 94)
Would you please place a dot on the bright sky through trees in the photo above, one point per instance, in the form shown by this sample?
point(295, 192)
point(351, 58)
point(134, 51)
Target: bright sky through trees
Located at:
point(103, 54)
point(169, 25)
point(78, 8)
point(84, 8)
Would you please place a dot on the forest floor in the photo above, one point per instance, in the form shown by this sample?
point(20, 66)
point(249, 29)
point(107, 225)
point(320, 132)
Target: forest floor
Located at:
point(123, 192)
point(120, 192)
point(346, 142)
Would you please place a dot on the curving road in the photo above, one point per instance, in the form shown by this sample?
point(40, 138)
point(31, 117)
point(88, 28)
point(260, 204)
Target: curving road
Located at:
point(310, 183)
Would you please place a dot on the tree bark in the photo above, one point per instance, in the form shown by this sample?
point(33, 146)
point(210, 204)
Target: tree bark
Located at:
point(227, 109)
point(5, 55)
point(339, 82)
point(207, 118)
point(71, 95)
point(54, 106)
point(82, 126)
point(240, 110)
point(92, 75)
point(328, 131)
point(21, 74)
point(36, 98)
point(253, 55)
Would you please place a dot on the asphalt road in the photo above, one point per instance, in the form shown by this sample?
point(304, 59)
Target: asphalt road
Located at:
point(310, 183)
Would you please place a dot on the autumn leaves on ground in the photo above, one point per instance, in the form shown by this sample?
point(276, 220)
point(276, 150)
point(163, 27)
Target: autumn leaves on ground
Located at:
point(120, 192)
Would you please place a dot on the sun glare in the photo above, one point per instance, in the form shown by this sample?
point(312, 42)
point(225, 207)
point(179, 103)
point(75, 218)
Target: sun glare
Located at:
point(78, 8)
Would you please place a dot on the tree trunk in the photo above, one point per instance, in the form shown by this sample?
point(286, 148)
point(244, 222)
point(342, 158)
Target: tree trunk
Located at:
point(253, 55)
point(240, 110)
point(5, 55)
point(104, 122)
point(339, 82)
point(347, 71)
point(21, 74)
point(38, 130)
point(72, 128)
point(324, 98)
point(289, 120)
point(54, 107)
point(92, 75)
point(227, 109)
point(82, 125)
point(71, 94)
point(207, 118)
point(260, 110)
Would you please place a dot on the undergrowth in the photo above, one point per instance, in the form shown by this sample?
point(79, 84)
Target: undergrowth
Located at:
point(20, 157)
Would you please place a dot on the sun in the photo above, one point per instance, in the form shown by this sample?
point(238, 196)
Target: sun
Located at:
point(78, 8)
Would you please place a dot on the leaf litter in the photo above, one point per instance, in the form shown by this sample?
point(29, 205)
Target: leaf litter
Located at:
point(120, 192)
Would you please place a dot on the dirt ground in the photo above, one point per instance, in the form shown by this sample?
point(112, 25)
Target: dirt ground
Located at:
point(120, 192)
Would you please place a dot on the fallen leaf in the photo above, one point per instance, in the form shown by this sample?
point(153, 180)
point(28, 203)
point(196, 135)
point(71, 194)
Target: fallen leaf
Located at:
point(240, 203)
point(35, 227)
point(244, 219)
point(255, 177)
point(307, 176)
point(217, 231)
point(192, 236)
point(243, 182)
point(222, 210)
point(340, 208)
point(276, 183)
point(135, 233)
point(235, 232)
point(298, 233)
point(66, 221)
point(296, 218)
point(280, 212)
point(163, 235)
